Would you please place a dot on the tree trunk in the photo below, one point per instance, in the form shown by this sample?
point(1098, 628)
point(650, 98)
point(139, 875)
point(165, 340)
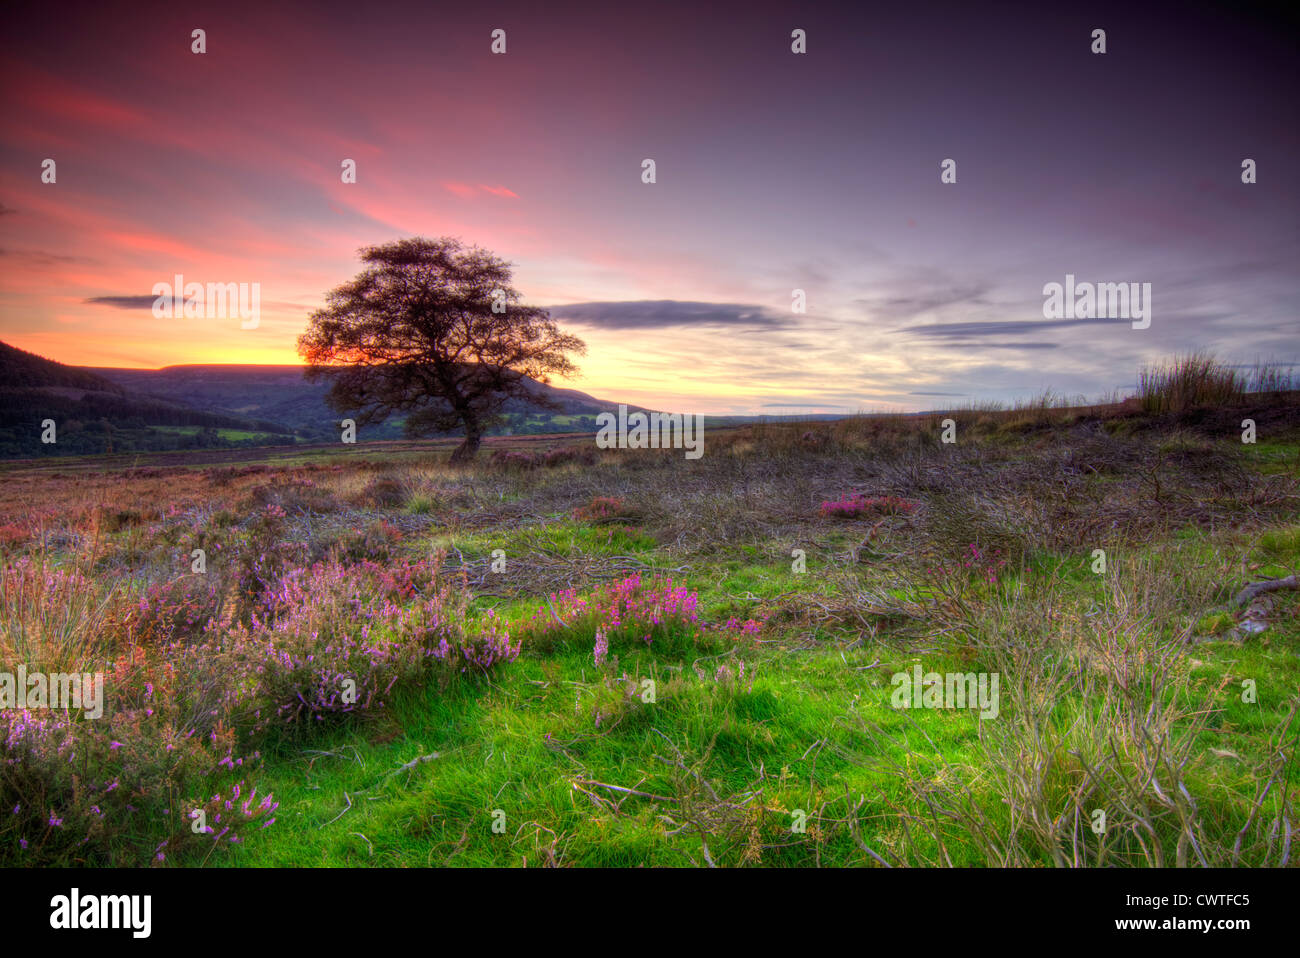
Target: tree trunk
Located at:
point(468, 447)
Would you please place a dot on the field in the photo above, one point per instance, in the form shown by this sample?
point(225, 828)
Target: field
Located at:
point(562, 656)
point(235, 435)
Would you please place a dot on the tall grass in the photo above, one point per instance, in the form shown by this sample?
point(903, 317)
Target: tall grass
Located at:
point(54, 618)
point(1099, 756)
point(1199, 379)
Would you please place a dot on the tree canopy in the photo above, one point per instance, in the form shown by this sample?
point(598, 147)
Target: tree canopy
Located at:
point(434, 330)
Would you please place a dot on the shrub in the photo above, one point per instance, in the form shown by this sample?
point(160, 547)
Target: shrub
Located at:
point(512, 461)
point(115, 520)
point(605, 509)
point(565, 455)
point(13, 537)
point(261, 557)
point(382, 493)
point(855, 505)
point(102, 791)
point(954, 522)
point(377, 541)
point(179, 610)
point(339, 642)
point(629, 613)
point(182, 711)
point(295, 496)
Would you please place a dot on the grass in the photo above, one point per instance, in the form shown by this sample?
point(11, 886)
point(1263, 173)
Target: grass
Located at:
point(230, 434)
point(1199, 379)
point(1127, 691)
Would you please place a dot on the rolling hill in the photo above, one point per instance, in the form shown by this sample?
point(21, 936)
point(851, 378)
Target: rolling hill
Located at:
point(210, 406)
point(92, 414)
point(281, 394)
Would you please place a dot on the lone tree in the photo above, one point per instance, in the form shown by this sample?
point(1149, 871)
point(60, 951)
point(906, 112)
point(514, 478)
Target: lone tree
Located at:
point(433, 329)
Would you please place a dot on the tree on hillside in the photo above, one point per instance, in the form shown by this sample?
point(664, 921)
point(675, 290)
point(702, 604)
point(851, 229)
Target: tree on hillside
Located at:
point(432, 329)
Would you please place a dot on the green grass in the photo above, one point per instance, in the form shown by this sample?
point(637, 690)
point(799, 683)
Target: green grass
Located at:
point(532, 740)
point(494, 753)
point(234, 435)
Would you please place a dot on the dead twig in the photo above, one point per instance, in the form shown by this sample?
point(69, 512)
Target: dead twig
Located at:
point(627, 791)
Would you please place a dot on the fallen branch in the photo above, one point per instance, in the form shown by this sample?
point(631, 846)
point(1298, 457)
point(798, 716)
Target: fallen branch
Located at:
point(342, 813)
point(418, 760)
point(1269, 585)
point(627, 791)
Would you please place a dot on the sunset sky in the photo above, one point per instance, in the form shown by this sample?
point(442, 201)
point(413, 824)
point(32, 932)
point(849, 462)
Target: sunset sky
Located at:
point(775, 171)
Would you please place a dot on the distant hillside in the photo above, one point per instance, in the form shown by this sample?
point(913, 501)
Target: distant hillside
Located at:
point(282, 394)
point(20, 369)
point(93, 414)
point(212, 406)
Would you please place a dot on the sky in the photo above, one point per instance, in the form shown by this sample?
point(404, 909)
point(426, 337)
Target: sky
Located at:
point(774, 171)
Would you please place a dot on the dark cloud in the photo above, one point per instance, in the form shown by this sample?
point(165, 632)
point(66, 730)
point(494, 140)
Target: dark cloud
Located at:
point(668, 313)
point(122, 302)
point(5, 210)
point(981, 344)
point(40, 257)
point(146, 302)
point(1001, 327)
point(917, 392)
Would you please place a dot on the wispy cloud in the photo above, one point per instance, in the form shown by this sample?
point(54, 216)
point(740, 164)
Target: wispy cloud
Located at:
point(40, 257)
point(667, 313)
point(972, 330)
point(468, 191)
point(905, 307)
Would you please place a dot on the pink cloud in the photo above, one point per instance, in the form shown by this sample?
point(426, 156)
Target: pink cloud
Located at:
point(468, 190)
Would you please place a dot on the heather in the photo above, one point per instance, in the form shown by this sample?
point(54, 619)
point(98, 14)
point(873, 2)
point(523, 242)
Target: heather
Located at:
point(630, 612)
point(191, 696)
point(855, 505)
